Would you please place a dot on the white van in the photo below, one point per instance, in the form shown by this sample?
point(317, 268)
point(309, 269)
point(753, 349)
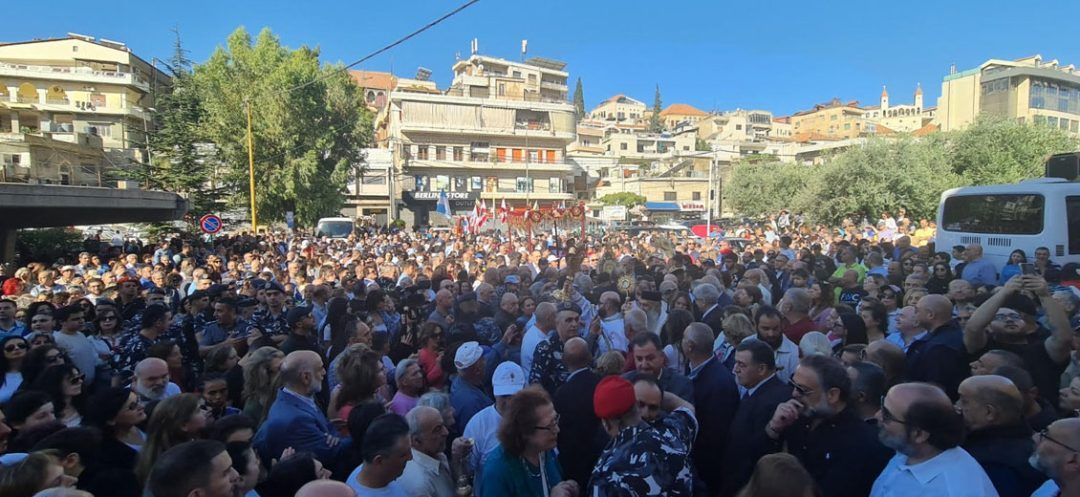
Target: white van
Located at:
point(1042, 212)
point(334, 227)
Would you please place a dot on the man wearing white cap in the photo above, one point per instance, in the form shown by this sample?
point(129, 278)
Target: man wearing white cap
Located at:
point(483, 428)
point(467, 392)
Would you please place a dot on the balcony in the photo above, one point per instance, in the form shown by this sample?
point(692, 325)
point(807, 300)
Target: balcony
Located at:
point(74, 74)
point(556, 166)
point(551, 85)
point(507, 194)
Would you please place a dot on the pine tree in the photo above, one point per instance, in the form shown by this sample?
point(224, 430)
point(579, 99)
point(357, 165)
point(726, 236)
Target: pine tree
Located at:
point(655, 124)
point(579, 101)
point(177, 165)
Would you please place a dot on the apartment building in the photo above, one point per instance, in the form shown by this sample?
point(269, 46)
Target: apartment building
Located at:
point(499, 132)
point(834, 120)
point(60, 88)
point(619, 109)
point(1030, 90)
point(676, 115)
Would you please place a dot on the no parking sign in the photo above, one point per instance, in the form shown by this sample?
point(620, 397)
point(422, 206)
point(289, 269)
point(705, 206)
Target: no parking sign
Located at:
point(210, 224)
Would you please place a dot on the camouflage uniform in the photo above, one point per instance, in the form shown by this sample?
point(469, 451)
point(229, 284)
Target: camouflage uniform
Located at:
point(648, 460)
point(269, 324)
point(133, 347)
point(548, 368)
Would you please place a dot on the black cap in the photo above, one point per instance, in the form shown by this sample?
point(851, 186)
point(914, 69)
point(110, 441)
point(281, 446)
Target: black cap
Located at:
point(296, 314)
point(258, 283)
point(216, 290)
point(274, 286)
point(246, 302)
point(198, 294)
point(467, 297)
point(568, 306)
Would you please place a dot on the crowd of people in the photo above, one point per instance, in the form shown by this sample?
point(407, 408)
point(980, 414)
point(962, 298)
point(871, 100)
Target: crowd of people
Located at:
point(807, 362)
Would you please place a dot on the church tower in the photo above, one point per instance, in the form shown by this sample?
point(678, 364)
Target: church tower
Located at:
point(918, 97)
point(884, 100)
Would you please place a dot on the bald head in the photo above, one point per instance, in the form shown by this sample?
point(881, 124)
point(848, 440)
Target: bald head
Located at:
point(990, 400)
point(296, 364)
point(325, 488)
point(933, 311)
point(889, 356)
point(151, 367)
point(576, 354)
point(908, 393)
point(610, 299)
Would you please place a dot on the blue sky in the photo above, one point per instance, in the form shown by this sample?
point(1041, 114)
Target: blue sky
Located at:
point(776, 55)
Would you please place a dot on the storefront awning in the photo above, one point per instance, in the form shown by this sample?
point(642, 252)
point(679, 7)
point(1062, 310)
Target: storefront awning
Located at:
point(662, 206)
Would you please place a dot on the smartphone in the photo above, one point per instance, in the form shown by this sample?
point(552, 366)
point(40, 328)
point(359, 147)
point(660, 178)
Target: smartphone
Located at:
point(1027, 268)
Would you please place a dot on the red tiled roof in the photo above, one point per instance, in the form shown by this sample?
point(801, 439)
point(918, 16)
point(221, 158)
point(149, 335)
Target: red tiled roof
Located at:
point(926, 130)
point(682, 110)
point(374, 79)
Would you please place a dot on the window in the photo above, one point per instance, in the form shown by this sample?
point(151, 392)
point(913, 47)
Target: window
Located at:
point(442, 183)
point(534, 156)
point(523, 185)
point(555, 185)
point(12, 160)
point(459, 183)
point(1051, 121)
point(695, 196)
point(670, 196)
point(738, 127)
point(440, 153)
point(502, 89)
point(1072, 212)
point(1073, 125)
point(847, 125)
point(103, 130)
point(422, 152)
point(476, 184)
point(1010, 214)
point(422, 183)
point(517, 74)
point(459, 154)
point(622, 146)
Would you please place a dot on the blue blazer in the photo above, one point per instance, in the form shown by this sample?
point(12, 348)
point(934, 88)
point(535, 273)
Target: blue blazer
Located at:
point(294, 423)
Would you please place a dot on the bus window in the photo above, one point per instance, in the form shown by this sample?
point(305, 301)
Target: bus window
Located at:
point(1072, 209)
point(1007, 214)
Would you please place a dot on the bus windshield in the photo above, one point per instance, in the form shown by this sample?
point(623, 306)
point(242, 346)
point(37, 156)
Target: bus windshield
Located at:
point(1006, 214)
point(334, 229)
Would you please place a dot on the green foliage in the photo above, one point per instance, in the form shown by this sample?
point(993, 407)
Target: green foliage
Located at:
point(759, 189)
point(701, 145)
point(177, 165)
point(305, 140)
point(579, 101)
point(655, 124)
point(625, 199)
point(999, 150)
point(886, 174)
point(47, 245)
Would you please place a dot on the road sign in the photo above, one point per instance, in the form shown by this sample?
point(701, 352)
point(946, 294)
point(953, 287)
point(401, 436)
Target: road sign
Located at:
point(210, 224)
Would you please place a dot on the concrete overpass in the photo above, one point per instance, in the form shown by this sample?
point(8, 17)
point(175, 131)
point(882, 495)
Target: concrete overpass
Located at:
point(38, 206)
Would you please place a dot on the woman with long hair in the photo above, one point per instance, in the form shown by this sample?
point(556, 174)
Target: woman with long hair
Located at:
point(822, 300)
point(432, 345)
point(262, 367)
point(336, 328)
point(11, 362)
point(169, 352)
point(287, 476)
point(117, 413)
point(40, 358)
point(780, 475)
point(64, 384)
point(672, 335)
point(107, 332)
point(360, 374)
point(682, 301)
point(175, 420)
point(847, 329)
point(524, 463)
point(940, 276)
point(1012, 267)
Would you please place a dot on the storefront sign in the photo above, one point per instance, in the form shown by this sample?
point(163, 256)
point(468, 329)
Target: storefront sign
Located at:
point(434, 196)
point(692, 206)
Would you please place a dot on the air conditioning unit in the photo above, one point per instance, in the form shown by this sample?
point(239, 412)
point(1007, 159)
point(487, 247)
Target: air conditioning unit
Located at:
point(127, 185)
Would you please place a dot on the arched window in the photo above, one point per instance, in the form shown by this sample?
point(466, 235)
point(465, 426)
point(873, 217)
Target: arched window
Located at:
point(28, 94)
point(56, 95)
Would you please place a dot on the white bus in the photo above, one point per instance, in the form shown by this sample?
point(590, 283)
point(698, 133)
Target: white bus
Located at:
point(334, 227)
point(1042, 212)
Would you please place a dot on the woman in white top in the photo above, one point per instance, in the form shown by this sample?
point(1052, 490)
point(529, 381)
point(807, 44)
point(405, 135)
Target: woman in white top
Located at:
point(14, 351)
point(64, 384)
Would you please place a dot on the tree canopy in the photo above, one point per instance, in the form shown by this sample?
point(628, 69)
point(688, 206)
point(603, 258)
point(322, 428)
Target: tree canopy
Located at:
point(626, 199)
point(309, 125)
point(886, 174)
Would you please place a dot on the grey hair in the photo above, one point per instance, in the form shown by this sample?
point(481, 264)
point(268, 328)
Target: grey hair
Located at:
point(412, 418)
point(438, 400)
point(815, 343)
point(706, 293)
point(402, 366)
point(798, 299)
point(637, 320)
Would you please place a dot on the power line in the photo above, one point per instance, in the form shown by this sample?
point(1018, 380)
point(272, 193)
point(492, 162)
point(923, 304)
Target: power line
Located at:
point(387, 47)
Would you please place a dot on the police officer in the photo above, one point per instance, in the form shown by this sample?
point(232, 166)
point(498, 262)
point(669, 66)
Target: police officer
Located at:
point(642, 459)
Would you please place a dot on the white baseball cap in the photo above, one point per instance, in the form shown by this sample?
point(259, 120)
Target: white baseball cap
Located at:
point(508, 379)
point(467, 355)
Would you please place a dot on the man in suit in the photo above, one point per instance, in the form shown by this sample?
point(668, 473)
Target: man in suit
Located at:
point(707, 300)
point(940, 357)
point(580, 436)
point(760, 391)
point(295, 420)
point(715, 399)
point(649, 360)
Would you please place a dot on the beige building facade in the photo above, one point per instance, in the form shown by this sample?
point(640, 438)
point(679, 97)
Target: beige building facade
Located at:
point(80, 85)
point(1031, 90)
point(834, 119)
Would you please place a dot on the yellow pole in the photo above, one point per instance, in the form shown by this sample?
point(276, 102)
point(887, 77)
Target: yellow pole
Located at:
point(251, 169)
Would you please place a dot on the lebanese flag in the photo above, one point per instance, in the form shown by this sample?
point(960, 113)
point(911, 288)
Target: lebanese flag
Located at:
point(503, 211)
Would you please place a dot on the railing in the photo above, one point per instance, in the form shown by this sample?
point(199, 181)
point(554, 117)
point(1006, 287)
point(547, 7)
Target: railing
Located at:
point(47, 71)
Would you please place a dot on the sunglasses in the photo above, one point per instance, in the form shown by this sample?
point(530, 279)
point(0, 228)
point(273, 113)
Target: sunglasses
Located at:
point(108, 318)
point(12, 347)
point(800, 389)
point(887, 416)
point(77, 379)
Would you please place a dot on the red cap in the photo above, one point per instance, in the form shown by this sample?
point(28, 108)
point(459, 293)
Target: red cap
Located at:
point(127, 279)
point(614, 396)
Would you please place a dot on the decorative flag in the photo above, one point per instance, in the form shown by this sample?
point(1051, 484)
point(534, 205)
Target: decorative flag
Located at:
point(504, 213)
point(443, 205)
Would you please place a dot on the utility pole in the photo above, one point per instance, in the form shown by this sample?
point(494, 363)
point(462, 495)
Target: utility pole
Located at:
point(251, 168)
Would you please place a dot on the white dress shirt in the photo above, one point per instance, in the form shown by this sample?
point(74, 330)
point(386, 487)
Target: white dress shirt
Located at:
point(483, 429)
point(953, 473)
point(426, 476)
point(533, 337)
